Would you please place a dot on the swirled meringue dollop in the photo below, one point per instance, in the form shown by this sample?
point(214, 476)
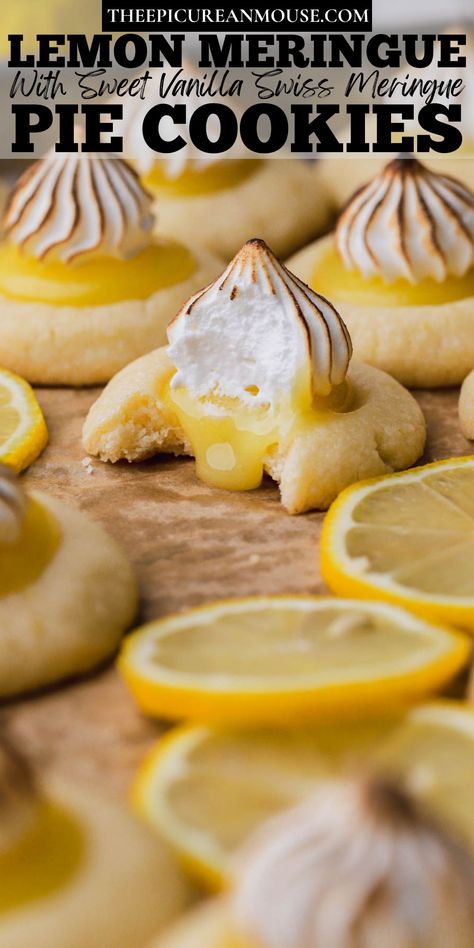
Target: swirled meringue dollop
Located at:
point(408, 223)
point(13, 504)
point(357, 866)
point(63, 208)
point(254, 331)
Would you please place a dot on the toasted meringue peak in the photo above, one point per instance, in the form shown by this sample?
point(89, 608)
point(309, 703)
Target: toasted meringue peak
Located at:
point(135, 109)
point(254, 331)
point(356, 866)
point(63, 208)
point(18, 795)
point(12, 505)
point(408, 223)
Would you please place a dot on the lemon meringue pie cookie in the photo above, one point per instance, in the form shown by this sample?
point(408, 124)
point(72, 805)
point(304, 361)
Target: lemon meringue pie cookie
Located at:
point(222, 203)
point(257, 378)
point(355, 866)
point(67, 592)
point(400, 266)
point(76, 870)
point(217, 201)
point(84, 285)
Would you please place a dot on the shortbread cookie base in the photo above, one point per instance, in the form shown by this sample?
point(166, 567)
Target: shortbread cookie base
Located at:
point(341, 177)
point(73, 616)
point(383, 432)
point(421, 346)
point(466, 407)
point(72, 345)
point(126, 890)
point(283, 202)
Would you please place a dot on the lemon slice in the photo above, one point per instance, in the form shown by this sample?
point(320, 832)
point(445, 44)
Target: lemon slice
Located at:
point(280, 659)
point(205, 790)
point(23, 432)
point(407, 538)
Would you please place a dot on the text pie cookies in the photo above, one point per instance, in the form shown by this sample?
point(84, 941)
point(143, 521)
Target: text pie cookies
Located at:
point(217, 201)
point(67, 592)
point(401, 268)
point(76, 871)
point(84, 285)
point(255, 379)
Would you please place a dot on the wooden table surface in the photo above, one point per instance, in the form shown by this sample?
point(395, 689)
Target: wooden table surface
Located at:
point(188, 544)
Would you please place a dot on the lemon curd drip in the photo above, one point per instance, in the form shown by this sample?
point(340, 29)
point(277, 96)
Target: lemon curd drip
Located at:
point(331, 278)
point(23, 561)
point(231, 440)
point(43, 860)
point(94, 281)
point(195, 180)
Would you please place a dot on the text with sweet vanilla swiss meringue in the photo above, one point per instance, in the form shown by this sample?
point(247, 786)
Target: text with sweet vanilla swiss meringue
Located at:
point(275, 103)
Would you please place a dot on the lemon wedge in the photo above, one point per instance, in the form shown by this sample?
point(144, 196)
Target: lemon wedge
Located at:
point(23, 432)
point(206, 789)
point(287, 659)
point(407, 538)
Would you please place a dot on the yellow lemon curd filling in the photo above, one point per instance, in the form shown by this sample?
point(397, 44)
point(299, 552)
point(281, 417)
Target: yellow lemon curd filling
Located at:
point(43, 860)
point(331, 278)
point(93, 281)
point(197, 179)
point(23, 561)
point(230, 440)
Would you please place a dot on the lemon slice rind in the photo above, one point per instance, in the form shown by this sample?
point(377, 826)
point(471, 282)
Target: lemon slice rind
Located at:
point(30, 436)
point(354, 688)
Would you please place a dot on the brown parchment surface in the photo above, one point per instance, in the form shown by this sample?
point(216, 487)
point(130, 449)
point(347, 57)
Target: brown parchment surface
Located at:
point(188, 544)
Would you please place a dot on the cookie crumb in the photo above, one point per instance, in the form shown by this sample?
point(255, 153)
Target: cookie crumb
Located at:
point(87, 464)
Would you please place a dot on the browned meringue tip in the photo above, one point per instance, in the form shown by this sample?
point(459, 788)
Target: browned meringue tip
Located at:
point(389, 802)
point(404, 164)
point(258, 242)
point(385, 798)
